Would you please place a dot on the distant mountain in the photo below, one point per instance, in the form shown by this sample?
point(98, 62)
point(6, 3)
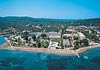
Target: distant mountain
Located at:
point(87, 22)
point(21, 21)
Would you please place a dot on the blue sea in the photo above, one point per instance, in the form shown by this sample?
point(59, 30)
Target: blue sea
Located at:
point(2, 40)
point(22, 60)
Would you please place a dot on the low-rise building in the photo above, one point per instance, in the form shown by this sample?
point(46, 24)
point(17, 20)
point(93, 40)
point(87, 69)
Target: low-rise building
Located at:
point(55, 39)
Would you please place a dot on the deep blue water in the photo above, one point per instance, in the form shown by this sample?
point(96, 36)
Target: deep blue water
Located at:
point(2, 40)
point(21, 60)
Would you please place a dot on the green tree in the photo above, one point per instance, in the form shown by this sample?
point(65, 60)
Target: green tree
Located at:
point(43, 36)
point(26, 38)
point(34, 37)
point(45, 44)
point(86, 42)
point(39, 45)
point(76, 45)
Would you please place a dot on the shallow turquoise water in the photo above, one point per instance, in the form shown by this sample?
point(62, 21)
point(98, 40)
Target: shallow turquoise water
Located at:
point(2, 40)
point(21, 60)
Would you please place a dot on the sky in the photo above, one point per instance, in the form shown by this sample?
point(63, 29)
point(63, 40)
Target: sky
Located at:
point(59, 9)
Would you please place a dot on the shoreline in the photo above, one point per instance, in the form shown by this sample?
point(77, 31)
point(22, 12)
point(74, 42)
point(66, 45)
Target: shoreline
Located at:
point(4, 45)
point(83, 49)
point(43, 50)
point(65, 52)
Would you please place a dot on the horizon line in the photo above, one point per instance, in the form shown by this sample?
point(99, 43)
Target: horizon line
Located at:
point(53, 18)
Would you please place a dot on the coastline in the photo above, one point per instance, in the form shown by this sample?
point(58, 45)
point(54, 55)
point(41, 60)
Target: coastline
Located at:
point(43, 50)
point(4, 45)
point(83, 49)
point(65, 52)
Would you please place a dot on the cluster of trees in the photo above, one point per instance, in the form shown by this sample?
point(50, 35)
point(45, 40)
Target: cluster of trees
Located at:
point(93, 36)
point(76, 42)
point(41, 41)
point(81, 43)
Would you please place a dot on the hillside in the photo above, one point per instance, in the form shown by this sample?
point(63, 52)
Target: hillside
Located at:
point(22, 21)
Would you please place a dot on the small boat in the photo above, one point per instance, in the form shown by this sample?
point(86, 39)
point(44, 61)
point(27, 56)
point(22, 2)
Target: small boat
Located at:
point(85, 57)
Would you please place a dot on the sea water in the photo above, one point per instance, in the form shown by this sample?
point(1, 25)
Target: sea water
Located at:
point(2, 40)
point(22, 60)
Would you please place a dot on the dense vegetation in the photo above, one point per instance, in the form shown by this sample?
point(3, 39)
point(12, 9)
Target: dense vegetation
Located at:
point(20, 22)
point(88, 22)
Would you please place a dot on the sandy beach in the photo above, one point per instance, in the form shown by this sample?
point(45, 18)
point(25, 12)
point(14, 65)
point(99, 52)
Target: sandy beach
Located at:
point(43, 50)
point(66, 51)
